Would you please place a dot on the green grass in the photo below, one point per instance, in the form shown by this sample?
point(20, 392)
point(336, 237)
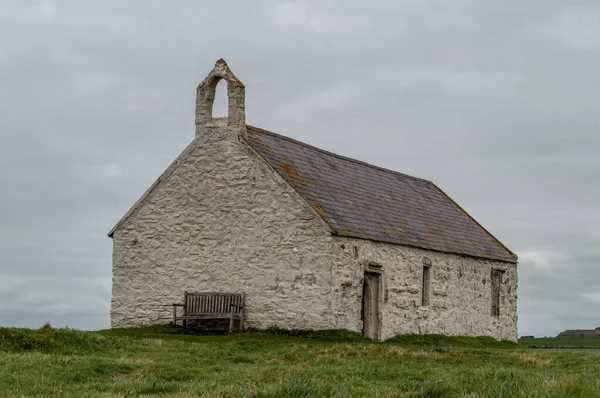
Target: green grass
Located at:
point(162, 361)
point(561, 342)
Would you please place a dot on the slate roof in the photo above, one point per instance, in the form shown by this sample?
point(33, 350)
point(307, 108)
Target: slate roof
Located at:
point(364, 201)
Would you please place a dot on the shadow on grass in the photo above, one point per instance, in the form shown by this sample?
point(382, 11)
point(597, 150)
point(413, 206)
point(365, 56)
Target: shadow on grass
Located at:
point(438, 340)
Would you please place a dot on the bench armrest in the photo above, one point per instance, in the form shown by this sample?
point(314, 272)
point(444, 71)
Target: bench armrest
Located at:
point(237, 305)
point(177, 304)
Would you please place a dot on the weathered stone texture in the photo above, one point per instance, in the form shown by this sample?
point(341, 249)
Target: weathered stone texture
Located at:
point(236, 99)
point(460, 295)
point(221, 220)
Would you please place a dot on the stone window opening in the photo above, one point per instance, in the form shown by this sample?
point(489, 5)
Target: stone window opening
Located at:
point(425, 287)
point(496, 283)
point(220, 105)
point(234, 101)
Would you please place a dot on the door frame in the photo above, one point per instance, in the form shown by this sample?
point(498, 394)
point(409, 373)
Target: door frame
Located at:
point(373, 269)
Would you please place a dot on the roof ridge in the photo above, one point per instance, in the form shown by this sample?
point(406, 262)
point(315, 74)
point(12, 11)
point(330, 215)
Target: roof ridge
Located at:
point(342, 157)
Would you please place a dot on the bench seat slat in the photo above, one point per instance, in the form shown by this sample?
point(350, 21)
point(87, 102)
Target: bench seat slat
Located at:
point(216, 315)
point(214, 294)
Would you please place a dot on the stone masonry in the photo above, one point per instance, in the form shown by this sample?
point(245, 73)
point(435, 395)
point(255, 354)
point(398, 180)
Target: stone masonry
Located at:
point(221, 219)
point(460, 290)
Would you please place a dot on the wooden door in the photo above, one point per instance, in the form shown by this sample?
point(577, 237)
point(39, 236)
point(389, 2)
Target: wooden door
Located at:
point(370, 305)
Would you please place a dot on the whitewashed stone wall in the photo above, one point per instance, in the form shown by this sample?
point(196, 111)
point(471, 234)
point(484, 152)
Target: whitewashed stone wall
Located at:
point(221, 220)
point(460, 295)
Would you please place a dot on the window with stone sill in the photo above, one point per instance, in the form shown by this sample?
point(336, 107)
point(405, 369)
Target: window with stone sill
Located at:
point(496, 283)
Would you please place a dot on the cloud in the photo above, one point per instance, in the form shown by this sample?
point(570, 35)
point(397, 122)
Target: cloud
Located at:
point(539, 260)
point(559, 290)
point(313, 18)
point(592, 297)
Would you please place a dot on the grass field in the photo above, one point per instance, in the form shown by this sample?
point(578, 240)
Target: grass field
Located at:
point(160, 362)
point(561, 342)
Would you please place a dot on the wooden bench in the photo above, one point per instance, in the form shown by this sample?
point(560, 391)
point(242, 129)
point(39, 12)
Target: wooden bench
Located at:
point(198, 305)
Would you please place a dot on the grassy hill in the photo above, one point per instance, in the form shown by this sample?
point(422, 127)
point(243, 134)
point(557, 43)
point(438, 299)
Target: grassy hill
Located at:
point(561, 342)
point(164, 362)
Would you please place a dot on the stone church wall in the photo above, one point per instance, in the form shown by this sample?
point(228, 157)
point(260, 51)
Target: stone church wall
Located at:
point(460, 291)
point(222, 222)
point(219, 219)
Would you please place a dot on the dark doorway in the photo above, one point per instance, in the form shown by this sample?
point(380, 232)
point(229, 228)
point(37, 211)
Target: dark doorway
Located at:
point(370, 305)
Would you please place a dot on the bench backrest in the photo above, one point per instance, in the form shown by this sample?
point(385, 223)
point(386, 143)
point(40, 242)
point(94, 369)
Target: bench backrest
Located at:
point(212, 303)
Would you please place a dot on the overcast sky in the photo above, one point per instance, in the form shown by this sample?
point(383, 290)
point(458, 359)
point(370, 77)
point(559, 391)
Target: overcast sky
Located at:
point(497, 102)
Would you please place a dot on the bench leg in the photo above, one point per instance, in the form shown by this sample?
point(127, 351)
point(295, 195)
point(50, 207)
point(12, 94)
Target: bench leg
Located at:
point(230, 323)
point(184, 323)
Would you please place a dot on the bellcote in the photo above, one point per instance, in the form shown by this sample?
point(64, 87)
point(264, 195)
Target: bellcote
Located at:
point(205, 97)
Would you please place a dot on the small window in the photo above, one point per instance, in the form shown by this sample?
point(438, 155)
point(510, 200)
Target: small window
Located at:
point(496, 283)
point(425, 287)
